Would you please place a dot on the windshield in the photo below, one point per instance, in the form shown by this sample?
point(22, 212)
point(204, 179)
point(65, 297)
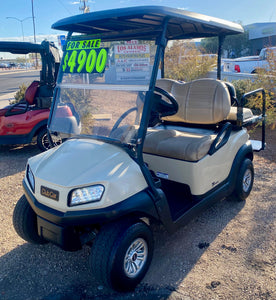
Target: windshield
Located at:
point(101, 88)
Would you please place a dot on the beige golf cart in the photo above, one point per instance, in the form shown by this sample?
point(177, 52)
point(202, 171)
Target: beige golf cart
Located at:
point(140, 149)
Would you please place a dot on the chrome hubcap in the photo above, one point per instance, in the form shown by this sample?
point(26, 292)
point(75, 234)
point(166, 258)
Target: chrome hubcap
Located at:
point(247, 178)
point(135, 257)
point(45, 141)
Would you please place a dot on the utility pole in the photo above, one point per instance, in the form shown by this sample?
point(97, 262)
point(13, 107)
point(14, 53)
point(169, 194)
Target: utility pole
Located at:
point(84, 8)
point(34, 31)
point(33, 20)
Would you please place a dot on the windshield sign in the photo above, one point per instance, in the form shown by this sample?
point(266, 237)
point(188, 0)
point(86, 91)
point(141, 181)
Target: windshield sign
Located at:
point(132, 61)
point(84, 56)
point(102, 88)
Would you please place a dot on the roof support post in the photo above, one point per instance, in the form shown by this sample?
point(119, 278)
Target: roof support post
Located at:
point(163, 64)
point(220, 43)
point(161, 43)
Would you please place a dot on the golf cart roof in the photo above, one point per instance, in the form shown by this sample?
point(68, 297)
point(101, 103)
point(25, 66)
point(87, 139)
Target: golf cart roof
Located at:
point(24, 48)
point(20, 47)
point(146, 22)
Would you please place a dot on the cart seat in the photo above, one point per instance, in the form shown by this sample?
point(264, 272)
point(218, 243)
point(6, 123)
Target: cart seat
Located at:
point(167, 84)
point(188, 146)
point(203, 101)
point(31, 92)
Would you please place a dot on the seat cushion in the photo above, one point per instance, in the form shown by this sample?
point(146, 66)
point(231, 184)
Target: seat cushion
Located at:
point(177, 144)
point(247, 114)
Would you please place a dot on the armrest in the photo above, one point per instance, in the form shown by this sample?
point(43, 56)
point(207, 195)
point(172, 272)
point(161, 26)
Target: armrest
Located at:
point(221, 139)
point(241, 105)
point(13, 110)
point(263, 116)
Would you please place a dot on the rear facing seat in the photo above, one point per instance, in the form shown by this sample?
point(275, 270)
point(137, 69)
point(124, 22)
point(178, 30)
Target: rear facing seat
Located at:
point(203, 101)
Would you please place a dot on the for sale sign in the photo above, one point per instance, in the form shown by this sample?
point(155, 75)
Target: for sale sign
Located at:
point(132, 61)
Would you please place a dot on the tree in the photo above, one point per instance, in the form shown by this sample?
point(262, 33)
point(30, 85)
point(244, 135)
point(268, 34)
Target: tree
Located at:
point(183, 61)
point(210, 45)
point(237, 44)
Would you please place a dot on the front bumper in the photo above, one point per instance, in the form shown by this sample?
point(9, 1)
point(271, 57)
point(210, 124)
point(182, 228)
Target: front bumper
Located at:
point(60, 227)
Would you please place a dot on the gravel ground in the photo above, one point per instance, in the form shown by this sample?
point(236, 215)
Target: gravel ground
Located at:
point(227, 252)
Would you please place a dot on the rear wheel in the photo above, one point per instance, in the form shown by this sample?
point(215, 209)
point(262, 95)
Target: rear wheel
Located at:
point(245, 180)
point(25, 222)
point(121, 254)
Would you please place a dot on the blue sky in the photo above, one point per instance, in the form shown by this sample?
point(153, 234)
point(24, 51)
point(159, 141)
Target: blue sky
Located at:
point(49, 11)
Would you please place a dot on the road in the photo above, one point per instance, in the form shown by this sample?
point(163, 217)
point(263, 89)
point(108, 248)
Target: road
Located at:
point(11, 80)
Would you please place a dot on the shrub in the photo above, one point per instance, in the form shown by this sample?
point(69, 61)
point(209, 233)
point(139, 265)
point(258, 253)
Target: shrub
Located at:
point(265, 79)
point(81, 100)
point(19, 94)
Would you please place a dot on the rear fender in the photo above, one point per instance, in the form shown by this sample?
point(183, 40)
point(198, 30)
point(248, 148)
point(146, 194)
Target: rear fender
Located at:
point(37, 128)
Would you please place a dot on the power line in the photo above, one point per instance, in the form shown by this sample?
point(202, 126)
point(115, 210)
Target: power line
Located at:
point(60, 2)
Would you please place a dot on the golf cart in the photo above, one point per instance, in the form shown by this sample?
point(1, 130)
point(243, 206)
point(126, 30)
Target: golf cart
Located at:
point(21, 122)
point(149, 150)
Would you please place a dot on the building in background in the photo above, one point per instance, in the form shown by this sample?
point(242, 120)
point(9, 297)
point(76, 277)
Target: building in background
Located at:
point(261, 35)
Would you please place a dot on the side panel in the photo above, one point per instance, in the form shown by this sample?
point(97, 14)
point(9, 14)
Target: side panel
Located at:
point(204, 201)
point(22, 124)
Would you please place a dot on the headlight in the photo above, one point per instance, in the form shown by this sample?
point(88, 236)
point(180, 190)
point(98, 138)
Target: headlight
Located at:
point(86, 195)
point(30, 177)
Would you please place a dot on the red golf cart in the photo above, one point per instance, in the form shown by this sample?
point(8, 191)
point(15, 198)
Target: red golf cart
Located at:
point(27, 119)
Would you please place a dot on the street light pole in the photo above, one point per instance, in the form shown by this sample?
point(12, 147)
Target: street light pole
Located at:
point(21, 21)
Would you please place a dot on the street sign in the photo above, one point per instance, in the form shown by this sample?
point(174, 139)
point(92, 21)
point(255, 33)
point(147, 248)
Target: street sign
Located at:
point(61, 40)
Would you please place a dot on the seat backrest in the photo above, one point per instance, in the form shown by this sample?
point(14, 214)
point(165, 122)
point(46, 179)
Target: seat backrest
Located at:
point(31, 92)
point(202, 101)
point(165, 84)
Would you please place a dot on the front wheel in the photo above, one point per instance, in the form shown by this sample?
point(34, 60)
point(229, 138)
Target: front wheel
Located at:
point(43, 142)
point(121, 254)
point(25, 222)
point(245, 180)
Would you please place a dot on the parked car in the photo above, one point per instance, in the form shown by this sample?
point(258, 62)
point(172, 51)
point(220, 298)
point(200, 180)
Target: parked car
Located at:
point(21, 122)
point(249, 64)
point(3, 65)
point(149, 150)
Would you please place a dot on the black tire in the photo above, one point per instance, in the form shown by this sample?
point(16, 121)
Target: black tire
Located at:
point(42, 140)
point(245, 180)
point(25, 222)
point(112, 247)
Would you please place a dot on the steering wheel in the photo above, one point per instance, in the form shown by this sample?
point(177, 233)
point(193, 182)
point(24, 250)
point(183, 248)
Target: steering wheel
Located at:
point(122, 117)
point(163, 107)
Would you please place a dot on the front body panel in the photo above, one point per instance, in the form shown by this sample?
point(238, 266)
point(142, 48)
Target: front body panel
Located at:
point(81, 163)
